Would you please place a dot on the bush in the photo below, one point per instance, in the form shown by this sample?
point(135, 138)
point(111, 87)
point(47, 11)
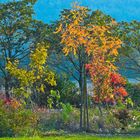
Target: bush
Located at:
point(66, 92)
point(105, 121)
point(134, 93)
point(135, 122)
point(16, 121)
point(66, 118)
point(69, 118)
point(66, 112)
point(124, 117)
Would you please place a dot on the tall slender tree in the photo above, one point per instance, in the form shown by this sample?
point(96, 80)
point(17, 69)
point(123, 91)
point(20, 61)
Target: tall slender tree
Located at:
point(74, 24)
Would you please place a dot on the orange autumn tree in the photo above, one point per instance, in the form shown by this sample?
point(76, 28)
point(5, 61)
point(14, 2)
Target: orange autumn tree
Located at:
point(97, 45)
point(108, 84)
point(74, 36)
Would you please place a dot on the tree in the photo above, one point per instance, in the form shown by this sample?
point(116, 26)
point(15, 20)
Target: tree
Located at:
point(102, 65)
point(72, 36)
point(18, 34)
point(70, 64)
point(34, 78)
point(81, 38)
point(130, 51)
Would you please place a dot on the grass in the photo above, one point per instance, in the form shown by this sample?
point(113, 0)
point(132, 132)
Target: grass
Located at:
point(75, 137)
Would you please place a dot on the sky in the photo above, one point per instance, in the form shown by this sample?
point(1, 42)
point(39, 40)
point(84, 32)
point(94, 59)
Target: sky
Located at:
point(122, 10)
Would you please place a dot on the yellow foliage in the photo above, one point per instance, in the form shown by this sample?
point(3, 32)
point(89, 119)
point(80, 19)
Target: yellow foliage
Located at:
point(37, 72)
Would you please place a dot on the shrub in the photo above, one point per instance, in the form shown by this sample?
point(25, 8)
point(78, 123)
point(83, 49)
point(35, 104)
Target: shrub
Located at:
point(69, 118)
point(134, 93)
point(135, 122)
point(66, 92)
point(16, 121)
point(124, 117)
point(105, 122)
point(66, 118)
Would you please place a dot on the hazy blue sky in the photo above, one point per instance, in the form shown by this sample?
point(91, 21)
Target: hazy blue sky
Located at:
point(127, 10)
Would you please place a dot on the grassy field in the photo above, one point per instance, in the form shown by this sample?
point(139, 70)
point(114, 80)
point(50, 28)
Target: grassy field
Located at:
point(75, 137)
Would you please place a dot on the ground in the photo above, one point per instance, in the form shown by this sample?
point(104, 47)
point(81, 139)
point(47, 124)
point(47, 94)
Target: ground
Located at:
point(75, 137)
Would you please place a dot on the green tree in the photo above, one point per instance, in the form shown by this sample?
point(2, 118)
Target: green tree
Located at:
point(18, 34)
point(130, 52)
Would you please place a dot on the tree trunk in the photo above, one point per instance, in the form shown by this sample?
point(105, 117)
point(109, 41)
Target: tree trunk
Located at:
point(84, 96)
point(86, 115)
point(81, 102)
point(7, 88)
